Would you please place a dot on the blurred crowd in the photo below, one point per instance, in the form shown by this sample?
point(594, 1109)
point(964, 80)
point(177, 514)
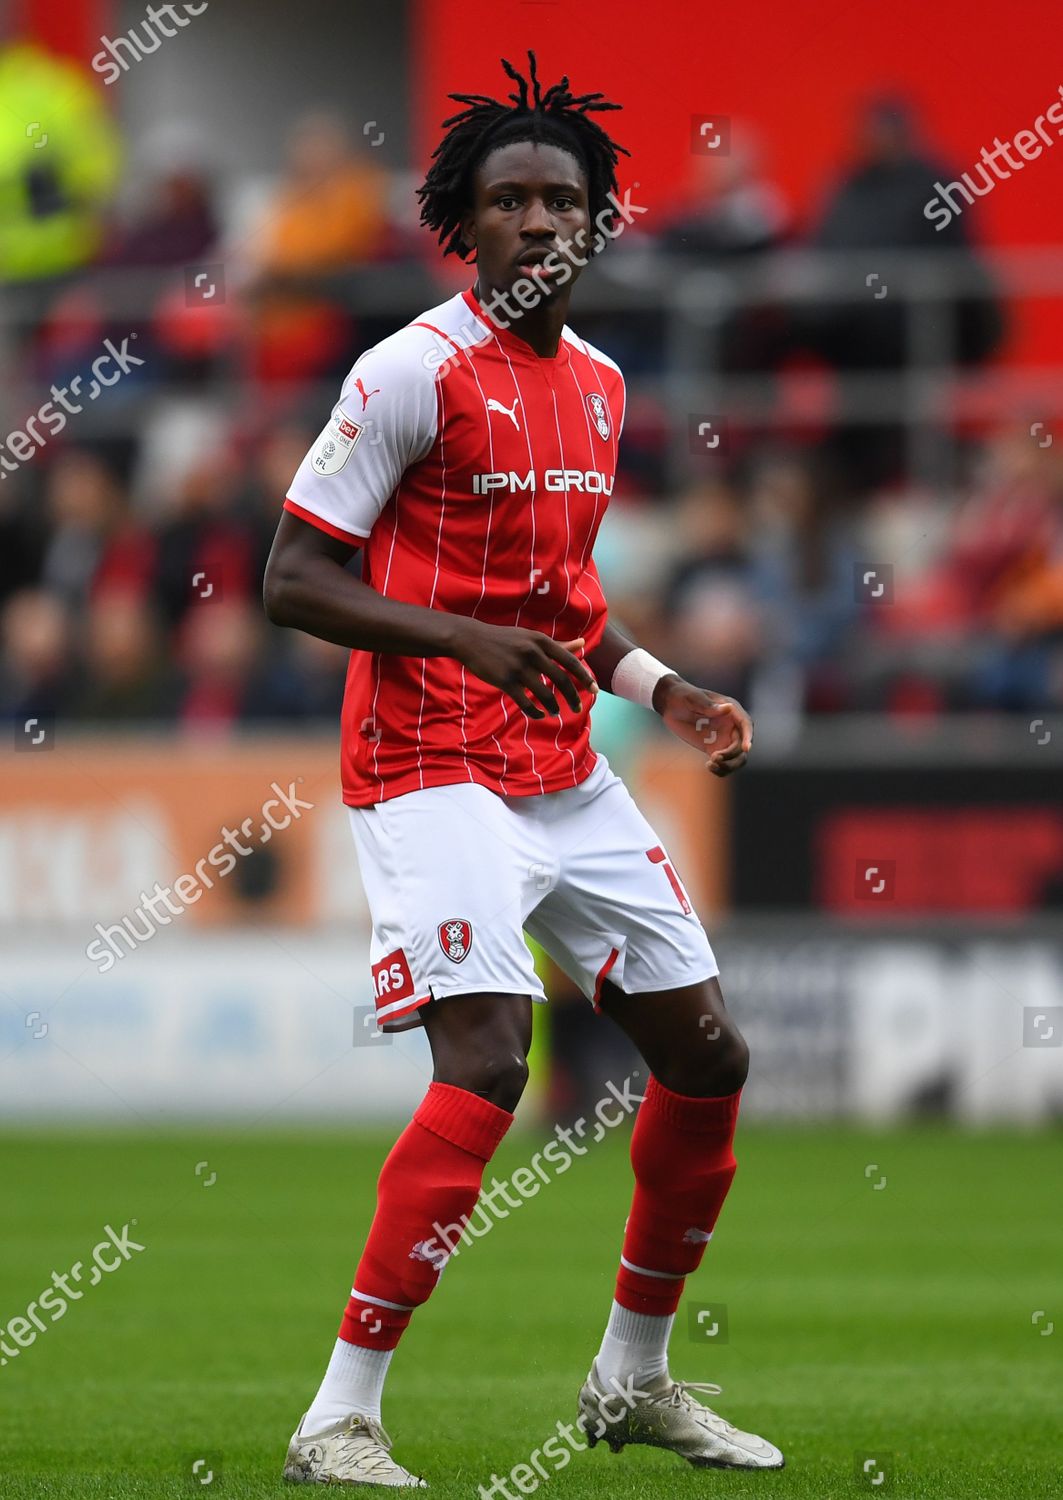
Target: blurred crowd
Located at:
point(916, 602)
point(808, 574)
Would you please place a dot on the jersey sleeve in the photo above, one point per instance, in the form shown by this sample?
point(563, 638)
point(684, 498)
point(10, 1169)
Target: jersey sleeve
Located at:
point(385, 420)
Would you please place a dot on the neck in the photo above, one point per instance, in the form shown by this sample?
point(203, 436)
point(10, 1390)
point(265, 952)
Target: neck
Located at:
point(539, 326)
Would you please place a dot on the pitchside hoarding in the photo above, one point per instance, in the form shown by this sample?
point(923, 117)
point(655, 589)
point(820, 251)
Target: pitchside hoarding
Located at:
point(185, 932)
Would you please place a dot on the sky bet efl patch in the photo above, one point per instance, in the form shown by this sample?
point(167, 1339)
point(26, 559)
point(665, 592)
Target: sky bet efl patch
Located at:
point(336, 444)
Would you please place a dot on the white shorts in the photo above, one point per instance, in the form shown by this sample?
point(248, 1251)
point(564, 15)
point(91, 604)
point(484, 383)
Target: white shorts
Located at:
point(454, 873)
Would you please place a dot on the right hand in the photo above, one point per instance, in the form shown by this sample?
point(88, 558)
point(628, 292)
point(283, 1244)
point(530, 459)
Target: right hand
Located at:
point(517, 661)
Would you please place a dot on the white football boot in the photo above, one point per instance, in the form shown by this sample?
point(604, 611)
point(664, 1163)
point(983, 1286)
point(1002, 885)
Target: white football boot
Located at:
point(354, 1451)
point(662, 1413)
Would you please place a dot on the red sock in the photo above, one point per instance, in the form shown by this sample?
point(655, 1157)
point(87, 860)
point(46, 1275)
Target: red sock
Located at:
point(426, 1191)
point(683, 1161)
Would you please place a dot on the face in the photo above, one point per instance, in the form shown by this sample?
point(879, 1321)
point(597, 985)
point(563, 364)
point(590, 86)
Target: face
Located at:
point(528, 199)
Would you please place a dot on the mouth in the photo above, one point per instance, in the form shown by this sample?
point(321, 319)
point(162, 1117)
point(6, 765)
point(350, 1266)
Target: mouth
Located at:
point(532, 258)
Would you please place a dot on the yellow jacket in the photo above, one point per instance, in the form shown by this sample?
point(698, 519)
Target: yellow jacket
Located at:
point(60, 156)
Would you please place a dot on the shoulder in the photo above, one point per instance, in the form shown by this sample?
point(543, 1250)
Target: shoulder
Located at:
point(402, 358)
point(608, 368)
point(414, 354)
point(605, 371)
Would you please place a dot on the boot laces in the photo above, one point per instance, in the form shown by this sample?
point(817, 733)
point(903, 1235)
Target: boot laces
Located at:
point(353, 1442)
point(680, 1396)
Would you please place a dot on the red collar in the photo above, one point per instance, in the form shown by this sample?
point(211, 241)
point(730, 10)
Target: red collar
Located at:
point(512, 342)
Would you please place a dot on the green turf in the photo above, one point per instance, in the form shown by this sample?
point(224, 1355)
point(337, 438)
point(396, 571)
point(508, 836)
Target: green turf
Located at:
point(896, 1320)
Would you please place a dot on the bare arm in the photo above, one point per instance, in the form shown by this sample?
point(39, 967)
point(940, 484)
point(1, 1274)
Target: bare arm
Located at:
point(606, 656)
point(712, 723)
point(306, 587)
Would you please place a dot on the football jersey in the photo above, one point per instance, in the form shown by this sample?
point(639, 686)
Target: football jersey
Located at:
point(475, 474)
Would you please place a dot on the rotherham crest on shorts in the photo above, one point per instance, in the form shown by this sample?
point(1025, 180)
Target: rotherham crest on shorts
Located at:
point(455, 938)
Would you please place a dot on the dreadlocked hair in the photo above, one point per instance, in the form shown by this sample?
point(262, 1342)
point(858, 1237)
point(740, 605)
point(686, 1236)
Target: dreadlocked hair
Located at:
point(556, 117)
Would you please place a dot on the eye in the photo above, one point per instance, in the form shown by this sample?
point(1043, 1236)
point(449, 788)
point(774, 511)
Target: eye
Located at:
point(506, 199)
point(564, 202)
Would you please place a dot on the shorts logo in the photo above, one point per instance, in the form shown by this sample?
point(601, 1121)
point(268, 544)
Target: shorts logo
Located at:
point(599, 414)
point(455, 938)
point(392, 979)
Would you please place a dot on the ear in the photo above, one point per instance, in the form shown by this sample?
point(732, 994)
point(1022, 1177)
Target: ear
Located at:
point(467, 228)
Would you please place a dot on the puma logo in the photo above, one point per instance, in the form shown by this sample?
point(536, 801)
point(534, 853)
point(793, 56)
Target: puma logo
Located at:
point(510, 411)
point(365, 395)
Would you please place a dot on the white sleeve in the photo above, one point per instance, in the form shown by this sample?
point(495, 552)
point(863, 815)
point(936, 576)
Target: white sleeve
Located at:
point(385, 420)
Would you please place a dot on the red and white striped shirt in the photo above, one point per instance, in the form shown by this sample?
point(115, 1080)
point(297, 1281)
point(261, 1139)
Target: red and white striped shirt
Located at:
point(476, 475)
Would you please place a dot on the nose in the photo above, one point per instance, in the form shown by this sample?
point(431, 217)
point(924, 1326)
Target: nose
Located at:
point(537, 220)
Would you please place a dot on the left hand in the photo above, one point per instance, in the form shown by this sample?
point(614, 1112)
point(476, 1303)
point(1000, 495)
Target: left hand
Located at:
point(718, 726)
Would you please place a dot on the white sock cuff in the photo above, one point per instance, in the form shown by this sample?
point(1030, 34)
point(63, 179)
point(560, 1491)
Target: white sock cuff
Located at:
point(354, 1381)
point(350, 1359)
point(629, 1327)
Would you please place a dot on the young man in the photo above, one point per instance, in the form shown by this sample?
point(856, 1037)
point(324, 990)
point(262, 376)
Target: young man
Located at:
point(472, 461)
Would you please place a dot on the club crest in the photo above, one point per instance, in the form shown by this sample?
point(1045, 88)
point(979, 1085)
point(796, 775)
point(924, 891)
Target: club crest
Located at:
point(455, 938)
point(599, 414)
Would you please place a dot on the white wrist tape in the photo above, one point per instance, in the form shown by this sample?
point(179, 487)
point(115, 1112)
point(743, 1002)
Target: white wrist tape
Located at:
point(636, 676)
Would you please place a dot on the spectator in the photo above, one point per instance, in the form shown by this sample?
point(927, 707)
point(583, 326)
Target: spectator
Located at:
point(732, 210)
point(126, 679)
point(879, 205)
point(175, 225)
point(1025, 670)
point(329, 215)
point(733, 214)
point(22, 540)
point(1001, 535)
point(714, 620)
point(308, 684)
point(804, 562)
point(274, 456)
point(172, 223)
point(878, 208)
point(228, 678)
point(92, 541)
point(974, 624)
point(206, 552)
point(37, 672)
point(330, 211)
point(58, 172)
point(1007, 566)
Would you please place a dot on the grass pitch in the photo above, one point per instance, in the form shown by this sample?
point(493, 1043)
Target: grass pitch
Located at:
point(896, 1322)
